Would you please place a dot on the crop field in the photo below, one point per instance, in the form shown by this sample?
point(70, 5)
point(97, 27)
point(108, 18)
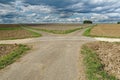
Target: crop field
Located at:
point(14, 31)
point(106, 30)
point(103, 56)
point(57, 26)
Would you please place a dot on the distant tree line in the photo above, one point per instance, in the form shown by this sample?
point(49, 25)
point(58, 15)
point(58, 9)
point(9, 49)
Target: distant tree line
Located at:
point(118, 22)
point(87, 22)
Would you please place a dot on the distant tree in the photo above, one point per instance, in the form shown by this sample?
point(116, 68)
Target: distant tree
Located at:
point(118, 22)
point(87, 22)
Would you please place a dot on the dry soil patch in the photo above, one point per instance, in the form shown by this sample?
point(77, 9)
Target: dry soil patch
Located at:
point(7, 48)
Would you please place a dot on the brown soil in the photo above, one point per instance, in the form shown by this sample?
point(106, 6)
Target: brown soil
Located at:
point(9, 25)
point(57, 26)
point(109, 54)
point(110, 30)
point(6, 49)
point(14, 34)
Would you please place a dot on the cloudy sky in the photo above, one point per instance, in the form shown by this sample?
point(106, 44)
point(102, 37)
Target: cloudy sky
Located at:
point(38, 11)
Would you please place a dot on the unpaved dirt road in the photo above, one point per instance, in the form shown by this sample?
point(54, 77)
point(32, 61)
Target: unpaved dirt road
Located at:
point(53, 57)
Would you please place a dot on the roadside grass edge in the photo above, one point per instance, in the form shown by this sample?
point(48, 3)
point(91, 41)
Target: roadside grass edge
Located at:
point(94, 68)
point(13, 56)
point(88, 30)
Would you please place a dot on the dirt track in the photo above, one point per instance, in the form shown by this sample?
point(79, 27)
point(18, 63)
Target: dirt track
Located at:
point(54, 57)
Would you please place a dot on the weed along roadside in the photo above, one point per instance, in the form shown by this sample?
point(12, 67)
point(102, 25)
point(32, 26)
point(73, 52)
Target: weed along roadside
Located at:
point(11, 55)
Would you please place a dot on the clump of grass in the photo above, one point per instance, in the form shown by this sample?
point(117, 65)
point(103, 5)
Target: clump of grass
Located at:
point(13, 56)
point(94, 68)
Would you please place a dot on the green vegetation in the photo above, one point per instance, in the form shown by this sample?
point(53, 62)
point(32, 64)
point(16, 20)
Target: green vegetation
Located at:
point(87, 22)
point(118, 22)
point(60, 31)
point(88, 30)
point(94, 68)
point(10, 28)
point(13, 56)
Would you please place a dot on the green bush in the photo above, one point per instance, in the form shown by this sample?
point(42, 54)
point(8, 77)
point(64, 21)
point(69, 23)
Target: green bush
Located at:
point(118, 22)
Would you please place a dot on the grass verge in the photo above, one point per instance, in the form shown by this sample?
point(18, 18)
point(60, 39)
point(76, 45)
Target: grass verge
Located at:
point(13, 56)
point(94, 68)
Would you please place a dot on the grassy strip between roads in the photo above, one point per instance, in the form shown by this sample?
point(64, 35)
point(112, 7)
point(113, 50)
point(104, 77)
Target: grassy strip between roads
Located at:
point(88, 30)
point(13, 56)
point(56, 31)
point(94, 68)
point(60, 31)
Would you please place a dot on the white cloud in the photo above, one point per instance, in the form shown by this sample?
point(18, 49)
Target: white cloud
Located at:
point(76, 11)
point(5, 9)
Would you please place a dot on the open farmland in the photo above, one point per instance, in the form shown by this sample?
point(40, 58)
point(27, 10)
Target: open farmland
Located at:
point(57, 26)
point(106, 30)
point(108, 54)
point(14, 31)
point(58, 57)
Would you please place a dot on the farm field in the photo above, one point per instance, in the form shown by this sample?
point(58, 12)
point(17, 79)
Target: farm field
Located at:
point(14, 31)
point(58, 28)
point(106, 30)
point(54, 54)
point(104, 57)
